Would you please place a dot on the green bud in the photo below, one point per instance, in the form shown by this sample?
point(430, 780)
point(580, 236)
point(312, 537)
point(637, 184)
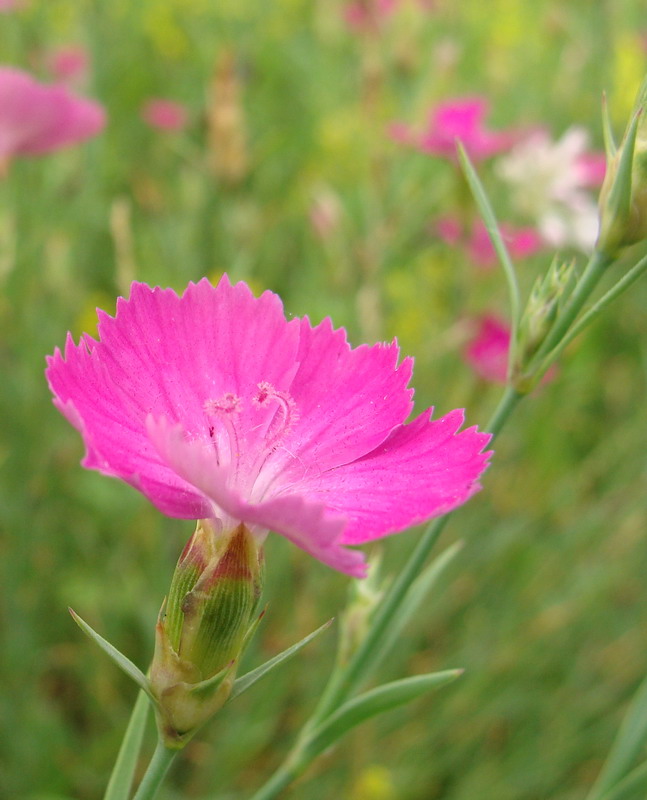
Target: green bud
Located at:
point(623, 197)
point(203, 628)
point(539, 315)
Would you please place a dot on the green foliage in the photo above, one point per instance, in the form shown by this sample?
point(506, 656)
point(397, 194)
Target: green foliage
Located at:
point(544, 607)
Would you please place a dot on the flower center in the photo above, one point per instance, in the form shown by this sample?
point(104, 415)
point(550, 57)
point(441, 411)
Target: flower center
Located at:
point(245, 434)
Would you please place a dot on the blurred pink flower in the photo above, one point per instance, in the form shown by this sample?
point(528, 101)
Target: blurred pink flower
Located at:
point(592, 168)
point(36, 118)
point(367, 15)
point(11, 5)
point(487, 350)
point(214, 406)
point(69, 64)
point(456, 119)
point(521, 242)
point(165, 115)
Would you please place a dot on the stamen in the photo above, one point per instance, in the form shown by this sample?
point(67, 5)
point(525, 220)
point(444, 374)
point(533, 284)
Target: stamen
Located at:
point(227, 404)
point(225, 409)
point(285, 417)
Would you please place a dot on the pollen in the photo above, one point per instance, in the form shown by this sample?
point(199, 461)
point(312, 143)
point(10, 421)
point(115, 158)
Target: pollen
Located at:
point(227, 404)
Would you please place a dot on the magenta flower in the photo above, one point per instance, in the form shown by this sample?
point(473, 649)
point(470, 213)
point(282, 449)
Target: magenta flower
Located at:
point(165, 115)
point(69, 64)
point(214, 406)
point(36, 118)
point(521, 242)
point(368, 15)
point(487, 352)
point(457, 119)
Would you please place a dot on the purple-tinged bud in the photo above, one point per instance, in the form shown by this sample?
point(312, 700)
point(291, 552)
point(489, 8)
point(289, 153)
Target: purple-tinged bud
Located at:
point(207, 620)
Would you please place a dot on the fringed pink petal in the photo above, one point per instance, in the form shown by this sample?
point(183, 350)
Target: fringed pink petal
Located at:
point(423, 470)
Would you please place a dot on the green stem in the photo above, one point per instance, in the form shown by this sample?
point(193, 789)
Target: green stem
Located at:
point(157, 769)
point(624, 283)
point(587, 283)
point(344, 681)
point(280, 780)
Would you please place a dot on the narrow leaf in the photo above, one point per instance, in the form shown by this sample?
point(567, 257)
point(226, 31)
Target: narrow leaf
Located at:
point(633, 787)
point(120, 659)
point(412, 601)
point(629, 743)
point(610, 147)
point(489, 219)
point(121, 779)
point(245, 681)
point(374, 702)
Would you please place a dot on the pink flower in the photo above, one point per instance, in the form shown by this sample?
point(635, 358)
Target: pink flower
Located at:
point(457, 119)
point(165, 115)
point(592, 168)
point(69, 64)
point(36, 118)
point(214, 406)
point(521, 242)
point(487, 352)
point(11, 5)
point(367, 15)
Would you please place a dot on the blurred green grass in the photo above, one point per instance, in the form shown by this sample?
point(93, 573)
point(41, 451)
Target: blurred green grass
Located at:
point(545, 607)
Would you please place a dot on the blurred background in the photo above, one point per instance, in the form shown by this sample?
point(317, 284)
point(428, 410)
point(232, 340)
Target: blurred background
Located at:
point(298, 145)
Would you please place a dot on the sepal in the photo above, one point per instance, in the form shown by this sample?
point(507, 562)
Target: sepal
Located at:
point(623, 198)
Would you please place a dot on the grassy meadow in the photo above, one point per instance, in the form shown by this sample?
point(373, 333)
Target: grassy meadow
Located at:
point(285, 176)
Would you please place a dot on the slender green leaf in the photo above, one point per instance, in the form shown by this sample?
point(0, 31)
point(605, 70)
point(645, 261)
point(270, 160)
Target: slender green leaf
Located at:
point(491, 224)
point(629, 743)
point(610, 147)
point(120, 659)
point(633, 787)
point(121, 779)
point(376, 701)
point(416, 593)
point(243, 683)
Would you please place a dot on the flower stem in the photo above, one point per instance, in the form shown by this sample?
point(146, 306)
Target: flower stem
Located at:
point(281, 779)
point(343, 682)
point(157, 769)
point(586, 319)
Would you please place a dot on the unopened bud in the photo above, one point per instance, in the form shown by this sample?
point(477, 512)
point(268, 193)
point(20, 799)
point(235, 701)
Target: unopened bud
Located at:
point(203, 628)
point(623, 198)
point(540, 313)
